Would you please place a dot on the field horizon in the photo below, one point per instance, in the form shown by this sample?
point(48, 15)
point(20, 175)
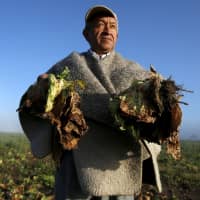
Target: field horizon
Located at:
point(183, 136)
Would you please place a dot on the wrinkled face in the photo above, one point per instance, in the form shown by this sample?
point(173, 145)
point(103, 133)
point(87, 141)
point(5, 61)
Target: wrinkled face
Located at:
point(102, 34)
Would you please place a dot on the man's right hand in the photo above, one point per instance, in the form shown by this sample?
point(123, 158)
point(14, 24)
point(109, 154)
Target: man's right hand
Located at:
point(35, 96)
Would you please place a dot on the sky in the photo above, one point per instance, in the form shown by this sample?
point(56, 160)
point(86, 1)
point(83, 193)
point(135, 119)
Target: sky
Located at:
point(35, 34)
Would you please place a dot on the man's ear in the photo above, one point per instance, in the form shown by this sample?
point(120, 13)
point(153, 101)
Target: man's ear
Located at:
point(85, 34)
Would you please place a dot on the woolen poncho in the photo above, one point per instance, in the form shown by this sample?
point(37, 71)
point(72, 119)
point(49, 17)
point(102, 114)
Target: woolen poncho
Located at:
point(107, 162)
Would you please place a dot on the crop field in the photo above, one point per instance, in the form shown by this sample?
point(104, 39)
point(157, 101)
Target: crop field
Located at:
point(23, 177)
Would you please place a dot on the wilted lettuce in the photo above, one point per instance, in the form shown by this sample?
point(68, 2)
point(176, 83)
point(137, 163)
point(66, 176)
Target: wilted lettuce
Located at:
point(58, 84)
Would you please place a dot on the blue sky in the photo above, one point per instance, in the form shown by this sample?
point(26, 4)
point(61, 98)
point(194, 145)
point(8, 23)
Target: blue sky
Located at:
point(35, 34)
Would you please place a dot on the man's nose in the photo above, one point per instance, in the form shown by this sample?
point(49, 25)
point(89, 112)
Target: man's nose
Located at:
point(107, 28)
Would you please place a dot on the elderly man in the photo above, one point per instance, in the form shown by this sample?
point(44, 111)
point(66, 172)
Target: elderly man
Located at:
point(106, 163)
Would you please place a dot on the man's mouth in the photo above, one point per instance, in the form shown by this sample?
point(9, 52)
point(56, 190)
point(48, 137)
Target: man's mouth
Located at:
point(106, 38)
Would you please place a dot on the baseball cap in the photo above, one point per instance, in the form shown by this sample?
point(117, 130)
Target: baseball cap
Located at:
point(99, 9)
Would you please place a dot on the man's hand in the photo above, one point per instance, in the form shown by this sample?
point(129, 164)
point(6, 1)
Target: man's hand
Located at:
point(35, 97)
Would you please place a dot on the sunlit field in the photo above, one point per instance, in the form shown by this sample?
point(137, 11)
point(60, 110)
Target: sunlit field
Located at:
point(23, 177)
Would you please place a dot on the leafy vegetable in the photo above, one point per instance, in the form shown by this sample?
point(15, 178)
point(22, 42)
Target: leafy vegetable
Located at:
point(55, 98)
point(150, 110)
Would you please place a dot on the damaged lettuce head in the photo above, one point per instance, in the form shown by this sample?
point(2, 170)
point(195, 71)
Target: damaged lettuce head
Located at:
point(149, 109)
point(56, 85)
point(56, 98)
point(60, 83)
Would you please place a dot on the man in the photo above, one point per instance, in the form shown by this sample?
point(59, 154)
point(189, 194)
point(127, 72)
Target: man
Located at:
point(106, 162)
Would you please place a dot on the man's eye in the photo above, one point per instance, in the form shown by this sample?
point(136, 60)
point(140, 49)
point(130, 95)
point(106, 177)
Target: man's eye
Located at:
point(99, 24)
point(113, 26)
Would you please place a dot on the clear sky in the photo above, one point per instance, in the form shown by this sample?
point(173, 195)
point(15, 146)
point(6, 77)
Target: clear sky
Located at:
point(35, 34)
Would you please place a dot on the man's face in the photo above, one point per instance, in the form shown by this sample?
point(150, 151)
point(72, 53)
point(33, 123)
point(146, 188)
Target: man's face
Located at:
point(102, 34)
